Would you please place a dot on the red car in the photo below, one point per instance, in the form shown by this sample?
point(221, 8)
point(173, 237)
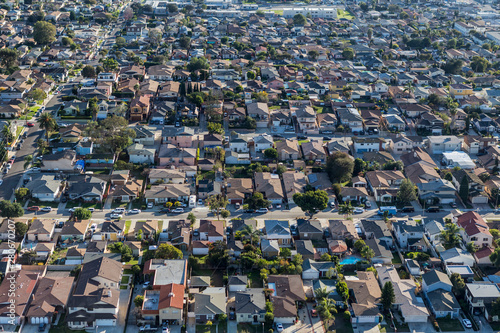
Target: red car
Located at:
point(314, 313)
point(34, 208)
point(30, 124)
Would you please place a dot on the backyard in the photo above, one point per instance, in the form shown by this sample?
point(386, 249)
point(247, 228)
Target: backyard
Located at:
point(255, 280)
point(344, 14)
point(216, 278)
point(338, 324)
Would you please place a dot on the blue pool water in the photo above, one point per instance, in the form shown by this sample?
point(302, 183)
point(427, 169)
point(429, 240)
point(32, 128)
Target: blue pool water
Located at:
point(350, 261)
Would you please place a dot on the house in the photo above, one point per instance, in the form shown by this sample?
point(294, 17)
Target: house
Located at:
point(460, 90)
point(86, 187)
point(367, 298)
point(129, 191)
point(412, 308)
point(444, 143)
point(477, 194)
point(145, 135)
point(270, 248)
point(119, 177)
point(474, 229)
point(169, 155)
point(309, 229)
point(166, 271)
point(437, 289)
point(409, 234)
point(482, 256)
point(305, 248)
point(50, 299)
point(381, 251)
point(250, 306)
point(368, 144)
point(139, 108)
point(293, 182)
point(147, 229)
point(238, 189)
point(384, 184)
point(458, 159)
point(159, 194)
point(259, 112)
point(164, 304)
point(313, 151)
point(181, 137)
point(287, 149)
point(342, 229)
point(433, 231)
point(94, 301)
point(278, 230)
point(314, 270)
point(270, 186)
point(457, 256)
point(211, 231)
point(237, 283)
point(25, 281)
point(239, 143)
point(140, 155)
point(475, 143)
point(59, 161)
point(168, 176)
point(480, 294)
point(44, 187)
point(357, 194)
point(74, 230)
point(262, 142)
point(438, 191)
point(209, 304)
point(41, 230)
point(110, 230)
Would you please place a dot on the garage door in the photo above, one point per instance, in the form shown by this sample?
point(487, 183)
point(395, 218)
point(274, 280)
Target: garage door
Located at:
point(33, 320)
point(45, 320)
point(105, 322)
point(5, 320)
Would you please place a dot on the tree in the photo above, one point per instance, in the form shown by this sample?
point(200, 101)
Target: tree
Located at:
point(10, 210)
point(184, 42)
point(82, 213)
point(448, 176)
point(250, 123)
point(479, 64)
point(192, 218)
point(8, 57)
point(216, 203)
point(110, 64)
point(271, 153)
point(21, 193)
point(313, 54)
point(136, 269)
point(359, 166)
point(111, 135)
point(285, 252)
point(453, 66)
point(451, 236)
point(172, 8)
point(21, 229)
point(311, 201)
point(88, 71)
point(48, 123)
point(37, 94)
point(388, 296)
point(472, 248)
point(120, 42)
point(36, 17)
point(128, 13)
point(458, 284)
point(463, 191)
point(406, 193)
point(215, 128)
point(44, 32)
point(225, 213)
point(326, 308)
point(299, 19)
point(196, 64)
point(7, 133)
point(250, 232)
point(167, 251)
point(367, 252)
point(218, 254)
point(339, 167)
point(342, 289)
point(138, 300)
point(155, 36)
point(359, 245)
point(251, 75)
point(348, 53)
point(257, 201)
point(346, 209)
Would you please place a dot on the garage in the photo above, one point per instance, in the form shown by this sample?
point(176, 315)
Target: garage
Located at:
point(105, 322)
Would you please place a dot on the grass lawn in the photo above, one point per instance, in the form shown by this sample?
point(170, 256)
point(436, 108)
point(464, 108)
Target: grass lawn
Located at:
point(18, 131)
point(338, 324)
point(57, 254)
point(50, 204)
point(395, 258)
point(125, 279)
point(302, 141)
point(160, 225)
point(72, 204)
point(344, 14)
point(278, 12)
point(127, 271)
point(133, 262)
point(319, 243)
point(124, 287)
point(255, 281)
point(138, 204)
point(62, 328)
point(222, 328)
point(449, 325)
point(275, 107)
point(115, 204)
point(127, 226)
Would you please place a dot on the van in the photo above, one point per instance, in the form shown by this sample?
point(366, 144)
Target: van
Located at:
point(408, 209)
point(433, 209)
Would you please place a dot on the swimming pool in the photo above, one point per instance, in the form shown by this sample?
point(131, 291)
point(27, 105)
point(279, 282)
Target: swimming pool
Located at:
point(350, 261)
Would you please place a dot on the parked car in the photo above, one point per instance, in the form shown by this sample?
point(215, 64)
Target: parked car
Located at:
point(46, 209)
point(91, 209)
point(232, 316)
point(178, 210)
point(165, 330)
point(262, 210)
point(116, 216)
point(34, 208)
point(134, 211)
point(358, 210)
point(279, 327)
point(368, 204)
point(433, 209)
point(467, 323)
point(150, 205)
point(200, 202)
point(314, 313)
point(42, 327)
point(119, 210)
point(30, 124)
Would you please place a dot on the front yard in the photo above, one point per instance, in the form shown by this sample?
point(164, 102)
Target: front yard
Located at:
point(449, 325)
point(338, 324)
point(220, 328)
point(73, 204)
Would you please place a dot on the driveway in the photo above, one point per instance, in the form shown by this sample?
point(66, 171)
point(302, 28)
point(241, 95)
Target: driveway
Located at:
point(306, 323)
point(33, 329)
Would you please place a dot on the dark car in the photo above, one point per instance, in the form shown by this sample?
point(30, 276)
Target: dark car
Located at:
point(301, 137)
point(165, 210)
point(326, 138)
point(64, 199)
point(408, 209)
point(42, 327)
point(232, 316)
point(433, 209)
point(249, 211)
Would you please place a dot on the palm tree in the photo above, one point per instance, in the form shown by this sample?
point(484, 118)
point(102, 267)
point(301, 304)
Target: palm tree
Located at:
point(27, 161)
point(47, 122)
point(7, 133)
point(321, 293)
point(249, 231)
point(346, 209)
point(451, 236)
point(410, 89)
point(367, 252)
point(327, 308)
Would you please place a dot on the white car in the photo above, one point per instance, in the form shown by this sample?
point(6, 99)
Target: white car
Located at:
point(262, 210)
point(119, 210)
point(46, 209)
point(358, 210)
point(200, 202)
point(150, 205)
point(72, 210)
point(467, 323)
point(116, 216)
point(91, 209)
point(279, 327)
point(165, 330)
point(134, 211)
point(178, 210)
point(93, 226)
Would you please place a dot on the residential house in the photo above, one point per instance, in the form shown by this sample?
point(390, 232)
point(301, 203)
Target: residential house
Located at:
point(288, 289)
point(161, 272)
point(167, 176)
point(305, 248)
point(139, 108)
point(74, 230)
point(41, 230)
point(474, 229)
point(438, 191)
point(250, 306)
point(480, 294)
point(159, 194)
point(59, 161)
point(409, 235)
point(49, 300)
point(309, 229)
point(164, 304)
point(209, 304)
point(437, 289)
point(44, 187)
point(384, 184)
point(342, 229)
point(25, 281)
point(129, 191)
point(367, 298)
point(287, 149)
point(293, 182)
point(367, 144)
point(477, 194)
point(444, 143)
point(111, 230)
point(138, 154)
point(314, 270)
point(238, 189)
point(278, 230)
point(270, 248)
point(211, 231)
point(270, 186)
point(259, 112)
point(147, 229)
point(313, 151)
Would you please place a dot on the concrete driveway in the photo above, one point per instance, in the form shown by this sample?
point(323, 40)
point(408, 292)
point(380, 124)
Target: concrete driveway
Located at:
point(33, 328)
point(122, 315)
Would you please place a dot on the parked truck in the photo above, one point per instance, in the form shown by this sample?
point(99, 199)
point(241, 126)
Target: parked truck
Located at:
point(391, 210)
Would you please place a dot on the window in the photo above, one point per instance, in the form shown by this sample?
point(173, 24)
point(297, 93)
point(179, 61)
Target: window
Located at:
point(485, 239)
